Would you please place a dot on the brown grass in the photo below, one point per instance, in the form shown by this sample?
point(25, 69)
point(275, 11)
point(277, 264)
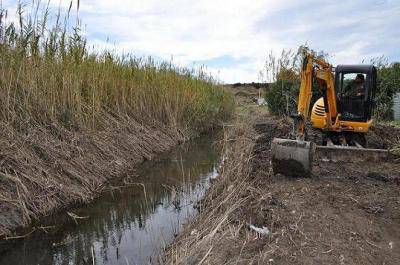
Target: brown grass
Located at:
point(49, 74)
point(200, 241)
point(51, 168)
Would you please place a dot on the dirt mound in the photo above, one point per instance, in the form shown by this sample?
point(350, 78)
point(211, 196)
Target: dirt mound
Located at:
point(348, 213)
point(383, 136)
point(267, 129)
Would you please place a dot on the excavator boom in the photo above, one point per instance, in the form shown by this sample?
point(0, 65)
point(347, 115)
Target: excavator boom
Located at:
point(295, 157)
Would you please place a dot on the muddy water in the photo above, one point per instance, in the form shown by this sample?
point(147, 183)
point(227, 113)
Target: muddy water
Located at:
point(130, 223)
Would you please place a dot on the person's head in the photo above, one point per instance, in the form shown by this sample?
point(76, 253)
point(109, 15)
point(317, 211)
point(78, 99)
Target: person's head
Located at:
point(359, 78)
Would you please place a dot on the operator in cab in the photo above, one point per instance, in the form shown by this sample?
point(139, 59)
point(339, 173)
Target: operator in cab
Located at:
point(355, 88)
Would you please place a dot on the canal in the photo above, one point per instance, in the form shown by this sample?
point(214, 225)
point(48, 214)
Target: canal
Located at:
point(131, 222)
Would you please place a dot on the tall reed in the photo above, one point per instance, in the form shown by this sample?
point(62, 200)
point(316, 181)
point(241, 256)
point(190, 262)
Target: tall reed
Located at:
point(48, 74)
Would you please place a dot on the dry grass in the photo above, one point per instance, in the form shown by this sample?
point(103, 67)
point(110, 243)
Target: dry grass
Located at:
point(202, 238)
point(48, 74)
point(51, 168)
point(71, 119)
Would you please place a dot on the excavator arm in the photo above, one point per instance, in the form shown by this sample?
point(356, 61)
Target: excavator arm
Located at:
point(295, 157)
point(314, 67)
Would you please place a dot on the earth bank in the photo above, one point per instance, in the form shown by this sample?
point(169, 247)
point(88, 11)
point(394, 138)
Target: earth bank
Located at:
point(52, 168)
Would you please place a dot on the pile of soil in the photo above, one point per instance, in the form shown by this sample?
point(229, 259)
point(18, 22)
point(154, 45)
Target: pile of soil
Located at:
point(245, 95)
point(383, 136)
point(347, 213)
point(47, 169)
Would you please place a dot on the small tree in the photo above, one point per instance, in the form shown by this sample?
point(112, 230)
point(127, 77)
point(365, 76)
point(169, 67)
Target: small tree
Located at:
point(284, 74)
point(388, 83)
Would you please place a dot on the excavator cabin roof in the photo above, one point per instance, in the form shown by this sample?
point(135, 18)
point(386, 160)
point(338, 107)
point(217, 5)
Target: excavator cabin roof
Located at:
point(359, 68)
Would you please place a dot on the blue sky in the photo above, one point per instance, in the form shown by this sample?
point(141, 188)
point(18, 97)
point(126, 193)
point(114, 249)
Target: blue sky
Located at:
point(232, 38)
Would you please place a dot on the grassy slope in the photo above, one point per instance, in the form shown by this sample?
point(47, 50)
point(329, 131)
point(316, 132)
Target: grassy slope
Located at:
point(71, 119)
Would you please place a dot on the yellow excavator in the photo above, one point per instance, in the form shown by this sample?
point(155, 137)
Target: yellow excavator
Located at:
point(336, 127)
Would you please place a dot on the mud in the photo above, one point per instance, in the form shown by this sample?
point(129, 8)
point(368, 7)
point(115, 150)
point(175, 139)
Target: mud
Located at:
point(383, 136)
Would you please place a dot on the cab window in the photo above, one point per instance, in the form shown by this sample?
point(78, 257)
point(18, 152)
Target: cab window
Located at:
point(352, 85)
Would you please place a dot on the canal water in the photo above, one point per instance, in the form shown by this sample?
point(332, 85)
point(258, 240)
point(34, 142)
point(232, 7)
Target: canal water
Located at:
point(132, 222)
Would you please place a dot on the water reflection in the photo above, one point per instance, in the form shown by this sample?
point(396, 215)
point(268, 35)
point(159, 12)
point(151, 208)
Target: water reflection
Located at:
point(127, 225)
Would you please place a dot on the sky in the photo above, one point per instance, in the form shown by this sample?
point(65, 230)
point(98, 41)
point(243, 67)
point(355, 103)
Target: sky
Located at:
point(233, 38)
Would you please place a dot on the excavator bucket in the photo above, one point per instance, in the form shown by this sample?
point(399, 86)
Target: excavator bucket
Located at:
point(292, 158)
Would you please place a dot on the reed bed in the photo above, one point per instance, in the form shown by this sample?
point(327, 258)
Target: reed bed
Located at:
point(49, 74)
point(72, 117)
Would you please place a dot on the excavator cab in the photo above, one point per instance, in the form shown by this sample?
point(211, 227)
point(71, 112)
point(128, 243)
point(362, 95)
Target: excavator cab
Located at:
point(345, 109)
point(355, 88)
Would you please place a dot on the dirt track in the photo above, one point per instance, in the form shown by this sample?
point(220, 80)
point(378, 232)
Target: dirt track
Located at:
point(348, 213)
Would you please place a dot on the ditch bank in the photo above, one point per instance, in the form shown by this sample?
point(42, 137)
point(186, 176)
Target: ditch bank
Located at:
point(49, 169)
point(348, 213)
point(133, 219)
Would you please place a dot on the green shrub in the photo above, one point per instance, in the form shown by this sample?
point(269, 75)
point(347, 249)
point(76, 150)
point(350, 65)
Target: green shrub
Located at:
point(284, 72)
point(281, 98)
point(388, 83)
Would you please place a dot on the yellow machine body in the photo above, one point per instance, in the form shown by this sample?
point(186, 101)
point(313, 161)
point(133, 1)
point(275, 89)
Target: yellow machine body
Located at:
point(333, 115)
point(319, 121)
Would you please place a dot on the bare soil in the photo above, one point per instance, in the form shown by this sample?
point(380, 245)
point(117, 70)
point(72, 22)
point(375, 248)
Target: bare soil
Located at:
point(245, 94)
point(347, 213)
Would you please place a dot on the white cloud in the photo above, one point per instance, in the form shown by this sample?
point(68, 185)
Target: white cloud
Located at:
point(189, 31)
point(202, 30)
